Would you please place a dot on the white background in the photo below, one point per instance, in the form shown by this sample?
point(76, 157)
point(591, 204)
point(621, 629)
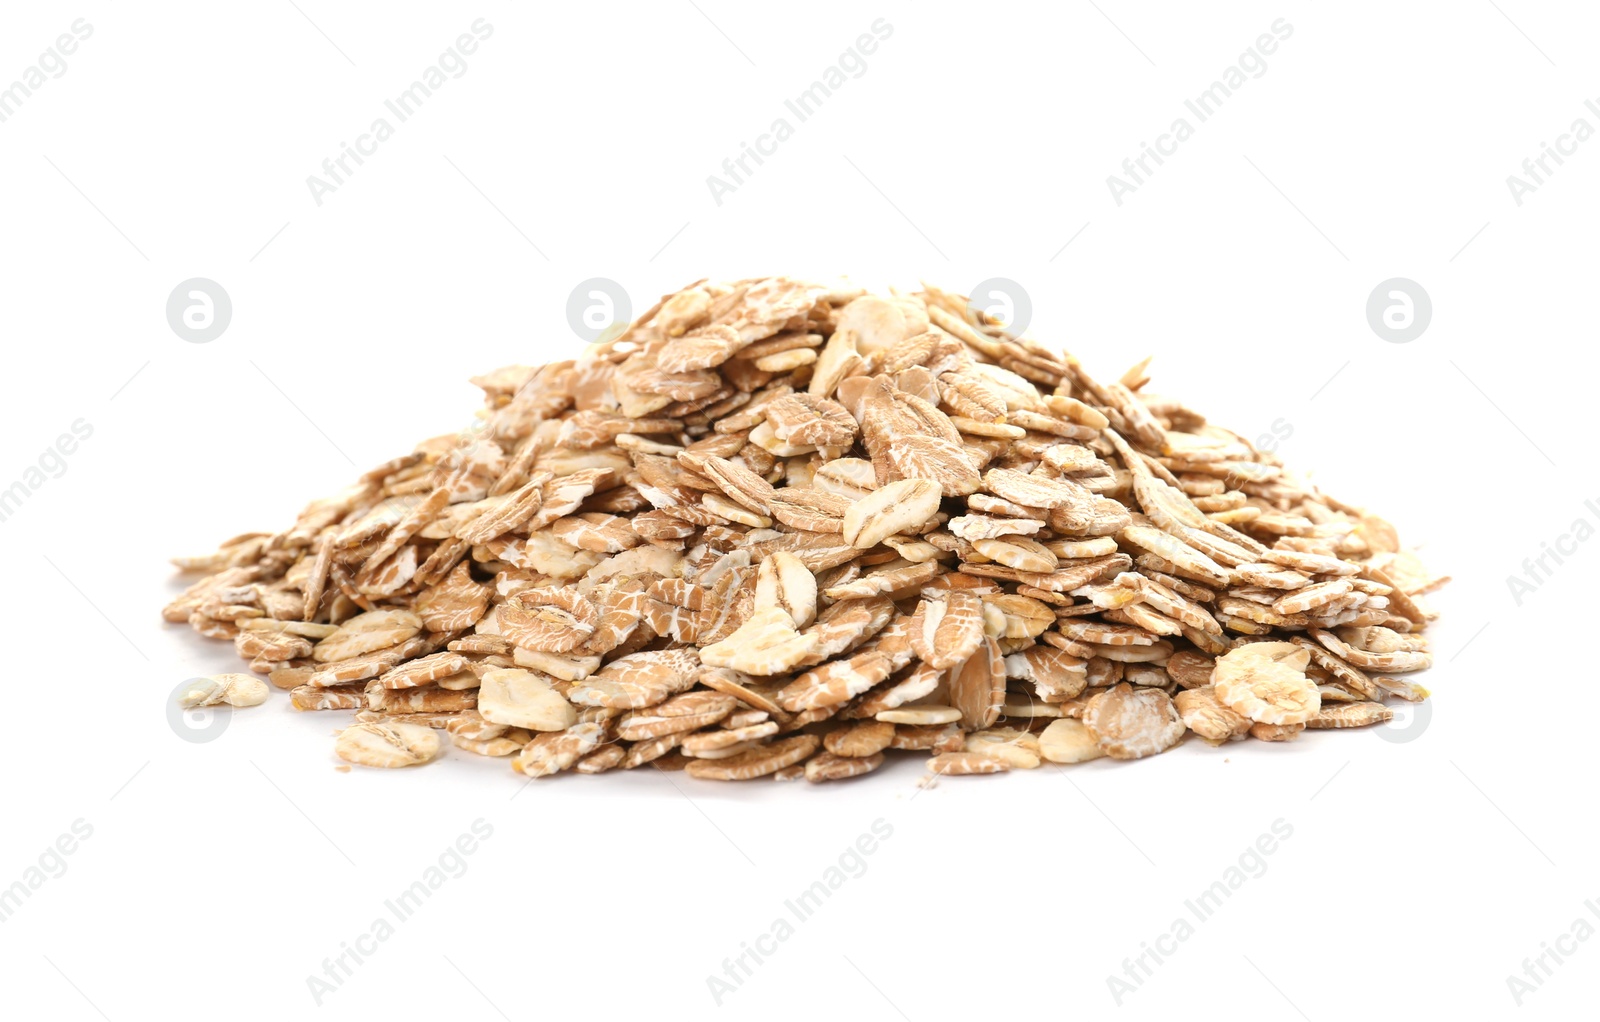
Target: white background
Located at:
point(219, 876)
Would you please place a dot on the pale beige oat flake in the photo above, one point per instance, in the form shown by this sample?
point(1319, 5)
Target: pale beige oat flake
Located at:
point(387, 744)
point(1069, 741)
point(1131, 723)
point(219, 689)
point(1267, 682)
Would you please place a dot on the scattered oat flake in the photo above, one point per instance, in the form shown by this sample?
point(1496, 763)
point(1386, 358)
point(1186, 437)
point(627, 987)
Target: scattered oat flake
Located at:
point(387, 744)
